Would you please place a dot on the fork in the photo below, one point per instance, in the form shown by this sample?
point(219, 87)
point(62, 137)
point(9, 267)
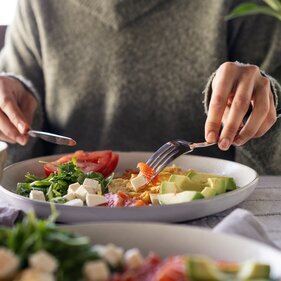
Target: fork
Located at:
point(170, 151)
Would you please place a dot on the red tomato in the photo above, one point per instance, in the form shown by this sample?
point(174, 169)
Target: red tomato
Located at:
point(103, 162)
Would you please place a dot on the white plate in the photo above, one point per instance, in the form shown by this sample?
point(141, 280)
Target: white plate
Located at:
point(245, 177)
point(167, 240)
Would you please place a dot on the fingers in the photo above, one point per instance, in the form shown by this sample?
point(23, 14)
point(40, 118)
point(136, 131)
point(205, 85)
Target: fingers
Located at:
point(13, 121)
point(237, 111)
point(222, 85)
point(261, 119)
point(236, 88)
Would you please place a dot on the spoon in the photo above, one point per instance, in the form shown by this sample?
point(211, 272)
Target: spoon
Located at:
point(58, 139)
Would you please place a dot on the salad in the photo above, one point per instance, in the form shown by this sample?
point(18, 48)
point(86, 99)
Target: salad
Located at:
point(88, 179)
point(37, 250)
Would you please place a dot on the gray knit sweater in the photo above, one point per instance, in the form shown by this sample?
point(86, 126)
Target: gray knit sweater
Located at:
point(129, 74)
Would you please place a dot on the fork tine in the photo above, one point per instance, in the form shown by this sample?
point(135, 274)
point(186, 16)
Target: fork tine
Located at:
point(154, 158)
point(175, 153)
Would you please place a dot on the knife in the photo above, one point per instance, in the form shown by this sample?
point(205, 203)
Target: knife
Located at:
point(58, 139)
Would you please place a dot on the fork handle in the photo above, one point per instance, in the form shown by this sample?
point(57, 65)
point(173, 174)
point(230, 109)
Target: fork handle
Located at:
point(200, 144)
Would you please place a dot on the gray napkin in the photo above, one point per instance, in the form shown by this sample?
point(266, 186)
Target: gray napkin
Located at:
point(9, 216)
point(243, 223)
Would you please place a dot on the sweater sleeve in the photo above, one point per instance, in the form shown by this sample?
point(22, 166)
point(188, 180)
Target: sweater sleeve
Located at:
point(257, 40)
point(21, 57)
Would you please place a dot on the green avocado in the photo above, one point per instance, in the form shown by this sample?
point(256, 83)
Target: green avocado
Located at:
point(184, 183)
point(168, 187)
point(208, 192)
point(202, 269)
point(230, 184)
point(218, 184)
point(252, 270)
point(202, 178)
point(181, 197)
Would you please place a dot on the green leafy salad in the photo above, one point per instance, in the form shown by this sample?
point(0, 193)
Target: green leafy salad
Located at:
point(54, 188)
point(37, 250)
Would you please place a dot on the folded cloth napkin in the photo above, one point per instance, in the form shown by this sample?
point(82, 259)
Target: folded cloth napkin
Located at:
point(242, 222)
point(9, 215)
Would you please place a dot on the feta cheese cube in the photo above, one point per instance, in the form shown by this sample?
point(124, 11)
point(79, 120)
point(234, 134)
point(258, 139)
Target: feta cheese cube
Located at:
point(95, 200)
point(138, 182)
point(9, 263)
point(154, 198)
point(89, 189)
point(81, 192)
point(96, 271)
point(133, 258)
point(90, 182)
point(75, 202)
point(37, 195)
point(43, 261)
point(112, 254)
point(31, 274)
point(73, 187)
point(69, 196)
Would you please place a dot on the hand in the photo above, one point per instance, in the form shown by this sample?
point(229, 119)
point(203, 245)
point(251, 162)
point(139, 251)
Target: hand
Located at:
point(17, 106)
point(236, 88)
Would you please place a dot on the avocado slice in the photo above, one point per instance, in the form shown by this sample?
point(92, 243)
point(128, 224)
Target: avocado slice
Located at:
point(202, 178)
point(208, 192)
point(168, 187)
point(202, 269)
point(184, 183)
point(253, 270)
point(230, 184)
point(181, 197)
point(218, 184)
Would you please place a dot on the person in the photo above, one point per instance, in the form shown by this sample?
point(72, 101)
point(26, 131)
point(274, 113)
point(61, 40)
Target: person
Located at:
point(128, 75)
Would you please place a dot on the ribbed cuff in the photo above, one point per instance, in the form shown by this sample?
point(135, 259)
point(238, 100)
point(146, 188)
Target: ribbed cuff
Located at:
point(26, 83)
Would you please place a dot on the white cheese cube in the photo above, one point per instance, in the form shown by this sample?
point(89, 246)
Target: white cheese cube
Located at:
point(37, 195)
point(133, 258)
point(89, 189)
point(91, 182)
point(43, 261)
point(96, 271)
point(75, 202)
point(73, 187)
point(81, 192)
point(31, 274)
point(138, 182)
point(69, 196)
point(9, 263)
point(95, 200)
point(154, 198)
point(112, 254)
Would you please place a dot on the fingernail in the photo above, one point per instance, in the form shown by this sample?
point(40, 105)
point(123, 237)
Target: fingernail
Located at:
point(21, 127)
point(211, 137)
point(21, 140)
point(224, 144)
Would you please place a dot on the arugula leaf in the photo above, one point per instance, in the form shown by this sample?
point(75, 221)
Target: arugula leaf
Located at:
point(33, 235)
point(55, 185)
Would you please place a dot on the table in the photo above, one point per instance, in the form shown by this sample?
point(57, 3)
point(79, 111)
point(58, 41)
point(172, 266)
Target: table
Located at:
point(264, 203)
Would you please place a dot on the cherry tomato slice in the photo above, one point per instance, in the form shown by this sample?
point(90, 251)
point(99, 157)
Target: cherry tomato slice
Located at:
point(103, 162)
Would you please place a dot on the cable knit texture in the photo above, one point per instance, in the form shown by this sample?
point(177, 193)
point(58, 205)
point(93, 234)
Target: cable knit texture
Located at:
point(129, 74)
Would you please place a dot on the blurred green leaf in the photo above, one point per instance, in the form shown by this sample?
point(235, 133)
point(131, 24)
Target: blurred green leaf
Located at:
point(247, 9)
